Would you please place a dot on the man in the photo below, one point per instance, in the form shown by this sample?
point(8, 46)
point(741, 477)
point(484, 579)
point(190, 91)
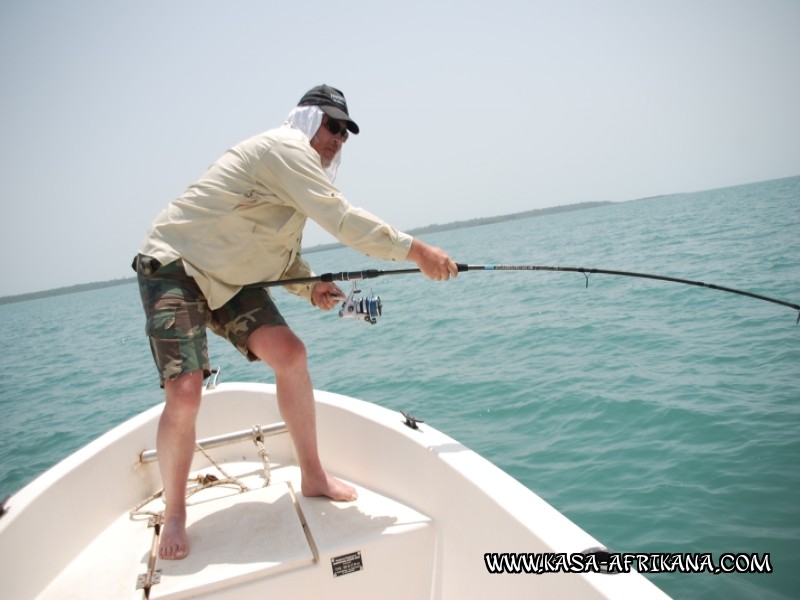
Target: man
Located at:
point(241, 223)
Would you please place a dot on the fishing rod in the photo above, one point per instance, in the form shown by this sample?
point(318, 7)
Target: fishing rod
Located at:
point(369, 308)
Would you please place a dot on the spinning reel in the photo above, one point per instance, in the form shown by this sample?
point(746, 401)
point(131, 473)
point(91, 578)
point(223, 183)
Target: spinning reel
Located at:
point(361, 309)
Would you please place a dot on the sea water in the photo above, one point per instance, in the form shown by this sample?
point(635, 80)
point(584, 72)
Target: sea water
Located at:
point(659, 417)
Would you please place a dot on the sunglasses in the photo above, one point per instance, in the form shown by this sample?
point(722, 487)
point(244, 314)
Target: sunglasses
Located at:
point(336, 128)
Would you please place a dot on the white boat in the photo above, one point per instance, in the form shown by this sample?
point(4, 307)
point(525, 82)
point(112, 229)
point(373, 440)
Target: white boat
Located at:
point(430, 517)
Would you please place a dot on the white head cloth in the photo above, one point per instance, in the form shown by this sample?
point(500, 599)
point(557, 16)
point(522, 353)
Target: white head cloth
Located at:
point(308, 119)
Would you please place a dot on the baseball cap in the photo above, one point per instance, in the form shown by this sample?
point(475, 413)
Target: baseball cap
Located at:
point(332, 103)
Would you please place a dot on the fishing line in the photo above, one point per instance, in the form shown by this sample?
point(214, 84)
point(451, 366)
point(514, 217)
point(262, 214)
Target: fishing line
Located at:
point(369, 308)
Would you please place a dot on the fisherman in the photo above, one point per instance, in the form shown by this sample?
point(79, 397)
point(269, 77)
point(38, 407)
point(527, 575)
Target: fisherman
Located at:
point(242, 223)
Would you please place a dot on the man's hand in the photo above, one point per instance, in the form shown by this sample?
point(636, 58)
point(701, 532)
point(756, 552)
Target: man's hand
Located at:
point(432, 261)
point(325, 295)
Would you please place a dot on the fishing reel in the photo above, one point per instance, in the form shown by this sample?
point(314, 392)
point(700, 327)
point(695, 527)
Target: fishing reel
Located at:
point(361, 309)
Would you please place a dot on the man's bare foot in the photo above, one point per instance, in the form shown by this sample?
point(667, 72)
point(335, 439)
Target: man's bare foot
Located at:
point(328, 486)
point(174, 543)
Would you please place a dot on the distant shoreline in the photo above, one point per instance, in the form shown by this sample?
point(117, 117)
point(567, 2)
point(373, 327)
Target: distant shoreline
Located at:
point(436, 228)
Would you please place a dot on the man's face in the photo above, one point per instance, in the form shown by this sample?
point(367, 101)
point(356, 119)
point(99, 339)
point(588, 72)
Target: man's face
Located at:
point(327, 144)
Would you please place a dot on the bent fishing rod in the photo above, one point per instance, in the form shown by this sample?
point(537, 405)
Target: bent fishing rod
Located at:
point(369, 308)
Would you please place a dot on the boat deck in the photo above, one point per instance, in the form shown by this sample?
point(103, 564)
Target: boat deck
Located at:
point(428, 512)
point(242, 540)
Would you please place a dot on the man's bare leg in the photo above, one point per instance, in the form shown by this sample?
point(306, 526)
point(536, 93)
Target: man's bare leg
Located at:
point(282, 350)
point(175, 444)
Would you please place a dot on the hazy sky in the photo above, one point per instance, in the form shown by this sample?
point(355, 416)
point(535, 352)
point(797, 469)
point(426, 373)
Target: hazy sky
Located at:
point(467, 109)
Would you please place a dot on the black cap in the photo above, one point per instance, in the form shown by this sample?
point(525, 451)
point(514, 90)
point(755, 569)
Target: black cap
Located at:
point(332, 103)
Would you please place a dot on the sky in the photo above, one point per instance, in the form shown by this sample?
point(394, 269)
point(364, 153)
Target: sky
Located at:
point(110, 109)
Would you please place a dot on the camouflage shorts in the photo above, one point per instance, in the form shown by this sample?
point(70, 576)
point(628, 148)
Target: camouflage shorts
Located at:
point(178, 316)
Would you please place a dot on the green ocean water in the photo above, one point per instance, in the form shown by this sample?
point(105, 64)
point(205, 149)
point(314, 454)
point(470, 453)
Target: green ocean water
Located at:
point(659, 417)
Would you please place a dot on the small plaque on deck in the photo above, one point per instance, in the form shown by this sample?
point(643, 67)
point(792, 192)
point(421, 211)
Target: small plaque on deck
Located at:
point(346, 563)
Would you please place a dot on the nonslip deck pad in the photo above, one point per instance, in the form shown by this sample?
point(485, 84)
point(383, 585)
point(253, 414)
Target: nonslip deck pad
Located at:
point(234, 539)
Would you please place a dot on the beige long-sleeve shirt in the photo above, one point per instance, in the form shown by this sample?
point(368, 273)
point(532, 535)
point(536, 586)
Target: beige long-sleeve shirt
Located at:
point(242, 221)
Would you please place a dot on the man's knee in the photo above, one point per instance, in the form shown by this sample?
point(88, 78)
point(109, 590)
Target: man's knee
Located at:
point(185, 389)
point(289, 352)
point(278, 346)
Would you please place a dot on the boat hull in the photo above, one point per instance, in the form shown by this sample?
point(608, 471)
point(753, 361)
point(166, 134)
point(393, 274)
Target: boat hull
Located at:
point(429, 510)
